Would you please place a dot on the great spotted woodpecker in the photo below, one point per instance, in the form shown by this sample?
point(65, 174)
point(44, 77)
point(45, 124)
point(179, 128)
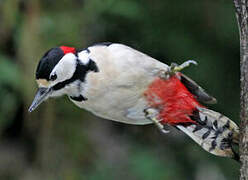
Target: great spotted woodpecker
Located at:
point(116, 82)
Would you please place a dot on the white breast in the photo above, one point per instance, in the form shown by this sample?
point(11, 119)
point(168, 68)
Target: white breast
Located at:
point(116, 91)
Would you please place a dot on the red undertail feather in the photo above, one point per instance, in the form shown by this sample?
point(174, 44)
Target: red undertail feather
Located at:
point(173, 100)
point(176, 106)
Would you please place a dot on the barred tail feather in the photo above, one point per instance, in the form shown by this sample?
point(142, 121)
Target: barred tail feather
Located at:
point(213, 131)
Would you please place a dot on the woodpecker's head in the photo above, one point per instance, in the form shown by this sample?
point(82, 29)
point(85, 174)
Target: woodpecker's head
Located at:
point(62, 70)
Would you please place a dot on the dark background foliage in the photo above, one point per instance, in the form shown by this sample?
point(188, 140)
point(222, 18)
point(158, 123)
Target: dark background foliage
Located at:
point(60, 141)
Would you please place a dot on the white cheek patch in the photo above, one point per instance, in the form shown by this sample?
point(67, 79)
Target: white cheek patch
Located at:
point(84, 57)
point(65, 67)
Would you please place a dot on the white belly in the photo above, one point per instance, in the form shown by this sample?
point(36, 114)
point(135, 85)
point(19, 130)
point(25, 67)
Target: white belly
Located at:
point(116, 91)
point(125, 107)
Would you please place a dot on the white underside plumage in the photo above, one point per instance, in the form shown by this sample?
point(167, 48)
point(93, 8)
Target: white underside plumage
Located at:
point(110, 98)
point(110, 81)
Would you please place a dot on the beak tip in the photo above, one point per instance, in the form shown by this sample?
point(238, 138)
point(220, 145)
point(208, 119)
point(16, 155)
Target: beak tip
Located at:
point(40, 96)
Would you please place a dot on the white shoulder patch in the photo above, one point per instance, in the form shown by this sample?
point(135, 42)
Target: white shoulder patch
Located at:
point(83, 56)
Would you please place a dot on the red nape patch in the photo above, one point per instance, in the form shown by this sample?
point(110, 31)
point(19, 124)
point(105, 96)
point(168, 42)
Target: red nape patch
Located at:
point(67, 49)
point(172, 99)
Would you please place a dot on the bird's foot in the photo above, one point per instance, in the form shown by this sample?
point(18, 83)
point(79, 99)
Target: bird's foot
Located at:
point(151, 114)
point(174, 68)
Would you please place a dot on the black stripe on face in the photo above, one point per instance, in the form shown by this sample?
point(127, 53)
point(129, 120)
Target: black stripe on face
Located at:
point(79, 98)
point(79, 74)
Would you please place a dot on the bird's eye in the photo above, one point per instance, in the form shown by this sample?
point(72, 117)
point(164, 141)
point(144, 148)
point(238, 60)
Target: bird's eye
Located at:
point(53, 77)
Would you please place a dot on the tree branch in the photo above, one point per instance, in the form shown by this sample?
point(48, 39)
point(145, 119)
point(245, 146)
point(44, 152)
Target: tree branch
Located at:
point(242, 15)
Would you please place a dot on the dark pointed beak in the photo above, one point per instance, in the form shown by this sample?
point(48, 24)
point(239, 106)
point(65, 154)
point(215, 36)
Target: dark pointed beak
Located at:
point(40, 96)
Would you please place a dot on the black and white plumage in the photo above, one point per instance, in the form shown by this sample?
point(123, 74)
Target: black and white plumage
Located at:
point(119, 83)
point(102, 67)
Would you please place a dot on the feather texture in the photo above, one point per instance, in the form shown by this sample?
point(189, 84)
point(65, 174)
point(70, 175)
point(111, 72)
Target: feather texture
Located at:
point(172, 99)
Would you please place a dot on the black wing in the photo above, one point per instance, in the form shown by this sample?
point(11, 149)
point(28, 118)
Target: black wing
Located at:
point(197, 91)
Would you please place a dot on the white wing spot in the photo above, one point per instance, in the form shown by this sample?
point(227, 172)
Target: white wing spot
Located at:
point(84, 57)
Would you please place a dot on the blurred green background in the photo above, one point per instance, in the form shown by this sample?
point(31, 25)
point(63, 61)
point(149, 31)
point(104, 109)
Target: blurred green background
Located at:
point(60, 141)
